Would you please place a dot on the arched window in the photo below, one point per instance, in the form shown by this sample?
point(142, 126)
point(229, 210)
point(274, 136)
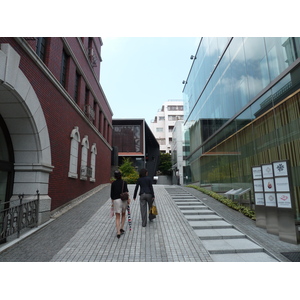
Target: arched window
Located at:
point(84, 158)
point(75, 140)
point(93, 162)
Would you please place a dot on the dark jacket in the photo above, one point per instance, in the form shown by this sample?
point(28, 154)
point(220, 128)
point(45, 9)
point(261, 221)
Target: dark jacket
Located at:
point(145, 184)
point(116, 189)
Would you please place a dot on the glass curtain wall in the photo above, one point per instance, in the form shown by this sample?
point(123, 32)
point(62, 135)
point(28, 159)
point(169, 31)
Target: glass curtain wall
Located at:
point(237, 116)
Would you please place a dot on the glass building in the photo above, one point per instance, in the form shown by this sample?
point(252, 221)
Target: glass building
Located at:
point(242, 109)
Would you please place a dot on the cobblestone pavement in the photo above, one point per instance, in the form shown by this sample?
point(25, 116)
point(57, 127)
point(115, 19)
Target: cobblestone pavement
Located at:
point(86, 233)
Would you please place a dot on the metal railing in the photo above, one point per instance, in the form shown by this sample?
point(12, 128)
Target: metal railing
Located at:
point(17, 217)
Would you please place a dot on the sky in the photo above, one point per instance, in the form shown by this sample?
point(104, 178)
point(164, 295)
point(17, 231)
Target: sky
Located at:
point(138, 74)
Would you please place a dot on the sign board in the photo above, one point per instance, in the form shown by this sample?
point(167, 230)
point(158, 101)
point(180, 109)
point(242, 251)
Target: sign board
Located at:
point(267, 171)
point(259, 198)
point(284, 200)
point(258, 186)
point(280, 168)
point(270, 199)
point(271, 185)
point(256, 173)
point(282, 184)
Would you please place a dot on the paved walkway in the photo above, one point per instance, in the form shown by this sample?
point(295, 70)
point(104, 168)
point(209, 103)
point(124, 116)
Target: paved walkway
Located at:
point(271, 243)
point(86, 233)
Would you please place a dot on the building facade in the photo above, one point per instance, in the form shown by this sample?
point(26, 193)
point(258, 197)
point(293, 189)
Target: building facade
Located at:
point(164, 123)
point(132, 138)
point(178, 153)
point(243, 109)
point(55, 121)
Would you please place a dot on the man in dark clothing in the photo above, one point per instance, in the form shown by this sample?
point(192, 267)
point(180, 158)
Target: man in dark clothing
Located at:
point(146, 194)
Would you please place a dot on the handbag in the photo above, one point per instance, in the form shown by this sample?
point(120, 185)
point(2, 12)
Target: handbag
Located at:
point(153, 209)
point(124, 195)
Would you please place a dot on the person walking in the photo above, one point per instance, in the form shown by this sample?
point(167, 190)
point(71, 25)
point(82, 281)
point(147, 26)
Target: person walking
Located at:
point(146, 194)
point(119, 206)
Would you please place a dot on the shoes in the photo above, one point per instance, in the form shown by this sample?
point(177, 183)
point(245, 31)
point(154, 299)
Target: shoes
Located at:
point(118, 236)
point(144, 225)
point(122, 231)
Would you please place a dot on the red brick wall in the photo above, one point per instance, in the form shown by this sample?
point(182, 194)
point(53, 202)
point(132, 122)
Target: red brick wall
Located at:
point(61, 117)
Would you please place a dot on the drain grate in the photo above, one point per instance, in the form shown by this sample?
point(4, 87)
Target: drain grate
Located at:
point(292, 256)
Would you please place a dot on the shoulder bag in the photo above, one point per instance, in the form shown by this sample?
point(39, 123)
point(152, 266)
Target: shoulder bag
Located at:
point(124, 195)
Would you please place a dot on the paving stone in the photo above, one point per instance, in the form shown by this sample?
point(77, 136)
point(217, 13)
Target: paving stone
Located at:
point(210, 224)
point(243, 257)
point(202, 217)
point(169, 238)
point(220, 233)
point(231, 245)
point(87, 233)
point(200, 211)
point(198, 206)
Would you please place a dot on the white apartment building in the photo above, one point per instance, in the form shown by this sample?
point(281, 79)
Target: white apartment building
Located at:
point(164, 122)
point(178, 153)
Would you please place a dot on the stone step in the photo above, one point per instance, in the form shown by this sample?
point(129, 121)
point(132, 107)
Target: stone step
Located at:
point(194, 207)
point(210, 224)
point(219, 233)
point(225, 246)
point(203, 217)
point(186, 200)
point(201, 211)
point(189, 203)
point(243, 257)
point(184, 204)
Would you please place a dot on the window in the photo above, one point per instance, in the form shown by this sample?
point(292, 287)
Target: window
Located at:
point(84, 158)
point(86, 98)
point(159, 129)
point(161, 141)
point(75, 139)
point(161, 118)
point(175, 107)
point(174, 118)
point(128, 138)
point(77, 83)
point(91, 53)
point(63, 72)
point(40, 47)
point(93, 162)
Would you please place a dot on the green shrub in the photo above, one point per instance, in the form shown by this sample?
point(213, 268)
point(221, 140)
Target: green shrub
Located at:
point(129, 173)
point(131, 178)
point(241, 208)
point(127, 168)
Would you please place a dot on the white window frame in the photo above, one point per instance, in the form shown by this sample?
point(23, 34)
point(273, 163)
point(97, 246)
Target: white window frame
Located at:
point(93, 162)
point(84, 157)
point(75, 140)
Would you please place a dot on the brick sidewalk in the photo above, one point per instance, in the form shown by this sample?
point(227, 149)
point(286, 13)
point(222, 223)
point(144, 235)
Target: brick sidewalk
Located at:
point(87, 233)
point(168, 239)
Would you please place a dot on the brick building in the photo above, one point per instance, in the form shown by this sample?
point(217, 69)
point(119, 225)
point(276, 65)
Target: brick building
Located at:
point(55, 121)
